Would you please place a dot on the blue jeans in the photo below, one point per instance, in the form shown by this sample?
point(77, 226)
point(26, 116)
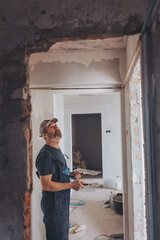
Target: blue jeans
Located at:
point(56, 215)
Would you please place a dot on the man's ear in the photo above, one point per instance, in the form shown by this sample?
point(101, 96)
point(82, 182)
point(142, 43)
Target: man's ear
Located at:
point(45, 135)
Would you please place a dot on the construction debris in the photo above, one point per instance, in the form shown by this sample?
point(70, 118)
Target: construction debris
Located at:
point(78, 162)
point(77, 232)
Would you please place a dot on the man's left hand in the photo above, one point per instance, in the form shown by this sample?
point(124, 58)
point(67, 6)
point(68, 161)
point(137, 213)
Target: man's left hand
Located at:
point(75, 175)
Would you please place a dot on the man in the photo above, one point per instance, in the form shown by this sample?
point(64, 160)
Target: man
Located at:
point(55, 181)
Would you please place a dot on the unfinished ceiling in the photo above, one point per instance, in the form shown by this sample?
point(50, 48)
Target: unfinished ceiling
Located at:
point(40, 24)
point(89, 45)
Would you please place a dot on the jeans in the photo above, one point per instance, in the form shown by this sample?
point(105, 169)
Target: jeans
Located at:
point(56, 215)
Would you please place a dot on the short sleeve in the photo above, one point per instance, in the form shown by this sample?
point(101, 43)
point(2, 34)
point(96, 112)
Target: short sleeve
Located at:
point(45, 163)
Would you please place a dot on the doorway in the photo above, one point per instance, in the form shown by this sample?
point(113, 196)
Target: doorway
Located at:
point(87, 141)
point(72, 98)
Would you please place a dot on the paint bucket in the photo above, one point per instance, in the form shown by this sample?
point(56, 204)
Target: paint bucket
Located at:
point(118, 204)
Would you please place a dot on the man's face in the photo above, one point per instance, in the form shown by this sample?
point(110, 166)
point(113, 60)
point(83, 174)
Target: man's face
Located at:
point(53, 132)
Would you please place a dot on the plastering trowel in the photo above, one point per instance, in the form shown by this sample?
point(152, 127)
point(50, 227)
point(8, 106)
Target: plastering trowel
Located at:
point(92, 185)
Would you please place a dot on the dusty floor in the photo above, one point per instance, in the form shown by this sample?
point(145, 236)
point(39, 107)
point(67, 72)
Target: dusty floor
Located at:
point(99, 220)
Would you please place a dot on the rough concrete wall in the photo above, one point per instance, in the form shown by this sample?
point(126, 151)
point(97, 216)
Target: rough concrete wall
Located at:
point(154, 94)
point(15, 147)
point(39, 23)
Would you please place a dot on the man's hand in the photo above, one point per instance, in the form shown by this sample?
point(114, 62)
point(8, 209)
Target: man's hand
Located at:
point(77, 185)
point(75, 175)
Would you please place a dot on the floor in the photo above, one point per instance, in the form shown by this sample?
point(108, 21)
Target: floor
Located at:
point(98, 220)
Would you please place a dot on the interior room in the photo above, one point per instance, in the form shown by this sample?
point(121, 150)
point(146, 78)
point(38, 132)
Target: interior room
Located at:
point(76, 82)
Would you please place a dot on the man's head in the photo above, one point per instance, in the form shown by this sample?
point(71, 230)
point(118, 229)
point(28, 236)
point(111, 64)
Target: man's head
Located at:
point(49, 130)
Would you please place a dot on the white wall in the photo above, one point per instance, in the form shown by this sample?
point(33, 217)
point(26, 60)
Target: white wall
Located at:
point(88, 68)
point(130, 47)
point(110, 108)
point(42, 108)
point(59, 114)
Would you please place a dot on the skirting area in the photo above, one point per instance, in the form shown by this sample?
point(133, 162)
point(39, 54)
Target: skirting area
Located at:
point(98, 220)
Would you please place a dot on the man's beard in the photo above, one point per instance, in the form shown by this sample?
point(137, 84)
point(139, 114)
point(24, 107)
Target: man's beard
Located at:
point(55, 136)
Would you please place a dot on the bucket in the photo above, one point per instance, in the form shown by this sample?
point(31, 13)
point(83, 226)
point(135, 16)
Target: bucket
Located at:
point(118, 204)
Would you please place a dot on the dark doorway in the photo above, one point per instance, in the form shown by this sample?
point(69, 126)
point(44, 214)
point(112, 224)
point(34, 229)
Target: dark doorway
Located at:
point(87, 141)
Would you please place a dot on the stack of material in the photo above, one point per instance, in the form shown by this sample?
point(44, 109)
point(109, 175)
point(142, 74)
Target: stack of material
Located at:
point(78, 162)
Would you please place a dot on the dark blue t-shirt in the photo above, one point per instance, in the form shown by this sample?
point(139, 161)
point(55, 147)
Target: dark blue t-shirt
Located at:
point(50, 160)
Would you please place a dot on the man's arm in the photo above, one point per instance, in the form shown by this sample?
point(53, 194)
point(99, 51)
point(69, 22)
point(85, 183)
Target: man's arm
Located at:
point(48, 185)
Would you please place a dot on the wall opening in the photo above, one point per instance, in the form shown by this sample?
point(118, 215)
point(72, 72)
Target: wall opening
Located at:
point(87, 141)
point(52, 98)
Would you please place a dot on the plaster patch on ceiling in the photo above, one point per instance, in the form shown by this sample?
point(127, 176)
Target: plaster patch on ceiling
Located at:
point(89, 45)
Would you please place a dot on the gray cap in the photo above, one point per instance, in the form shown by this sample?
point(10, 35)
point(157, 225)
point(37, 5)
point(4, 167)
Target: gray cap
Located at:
point(45, 124)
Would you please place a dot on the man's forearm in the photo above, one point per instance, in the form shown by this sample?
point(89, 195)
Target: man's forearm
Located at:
point(56, 186)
